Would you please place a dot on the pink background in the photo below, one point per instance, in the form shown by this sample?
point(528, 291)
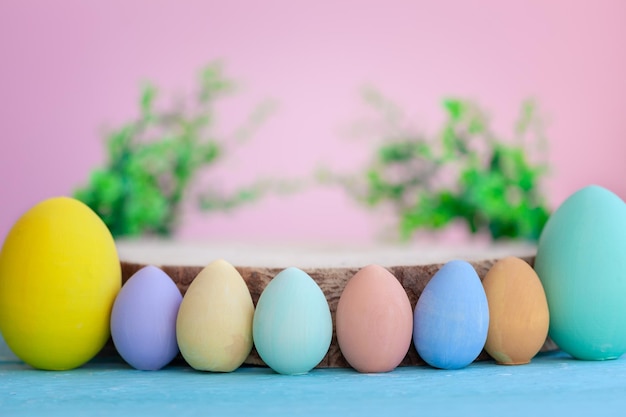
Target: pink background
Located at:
point(70, 69)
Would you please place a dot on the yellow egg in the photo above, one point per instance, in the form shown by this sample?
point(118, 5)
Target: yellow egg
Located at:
point(214, 324)
point(59, 275)
point(518, 312)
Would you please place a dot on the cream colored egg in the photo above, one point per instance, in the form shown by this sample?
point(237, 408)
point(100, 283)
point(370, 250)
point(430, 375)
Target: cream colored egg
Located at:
point(214, 323)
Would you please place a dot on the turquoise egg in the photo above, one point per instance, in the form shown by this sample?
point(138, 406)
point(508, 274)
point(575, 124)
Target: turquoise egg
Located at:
point(451, 317)
point(581, 262)
point(292, 326)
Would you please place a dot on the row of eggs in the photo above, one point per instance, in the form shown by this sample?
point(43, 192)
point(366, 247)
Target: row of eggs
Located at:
point(60, 277)
point(214, 325)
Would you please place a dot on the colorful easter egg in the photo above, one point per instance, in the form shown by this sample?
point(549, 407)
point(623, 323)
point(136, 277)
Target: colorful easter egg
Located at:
point(451, 317)
point(518, 312)
point(59, 275)
point(214, 324)
point(292, 323)
point(581, 263)
point(143, 320)
point(374, 321)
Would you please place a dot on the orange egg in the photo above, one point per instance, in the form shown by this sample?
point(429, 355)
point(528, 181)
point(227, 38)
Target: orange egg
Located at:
point(518, 311)
point(374, 321)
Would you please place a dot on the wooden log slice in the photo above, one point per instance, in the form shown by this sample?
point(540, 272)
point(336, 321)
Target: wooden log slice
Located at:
point(330, 266)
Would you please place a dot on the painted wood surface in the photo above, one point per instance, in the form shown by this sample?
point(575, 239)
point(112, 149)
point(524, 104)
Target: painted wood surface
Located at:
point(552, 384)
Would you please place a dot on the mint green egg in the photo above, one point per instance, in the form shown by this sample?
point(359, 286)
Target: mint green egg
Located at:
point(581, 262)
point(292, 326)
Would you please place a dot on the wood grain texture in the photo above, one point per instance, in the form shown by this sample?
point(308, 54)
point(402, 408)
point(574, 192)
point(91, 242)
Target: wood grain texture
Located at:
point(413, 278)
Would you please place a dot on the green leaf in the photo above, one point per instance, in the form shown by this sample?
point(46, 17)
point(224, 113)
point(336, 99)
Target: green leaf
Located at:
point(148, 95)
point(208, 152)
point(396, 152)
point(120, 144)
point(213, 82)
point(455, 108)
point(526, 117)
point(448, 140)
point(476, 126)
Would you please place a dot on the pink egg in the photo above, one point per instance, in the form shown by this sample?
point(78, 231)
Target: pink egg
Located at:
point(143, 320)
point(374, 321)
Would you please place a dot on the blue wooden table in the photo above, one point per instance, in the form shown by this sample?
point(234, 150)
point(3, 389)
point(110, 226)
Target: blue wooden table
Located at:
point(553, 384)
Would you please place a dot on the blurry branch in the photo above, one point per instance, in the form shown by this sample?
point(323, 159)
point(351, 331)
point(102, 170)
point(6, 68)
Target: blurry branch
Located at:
point(463, 172)
point(152, 161)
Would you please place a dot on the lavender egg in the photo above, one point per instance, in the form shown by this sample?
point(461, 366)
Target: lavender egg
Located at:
point(143, 320)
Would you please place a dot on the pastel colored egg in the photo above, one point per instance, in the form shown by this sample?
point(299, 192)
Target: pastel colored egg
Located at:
point(451, 317)
point(581, 263)
point(59, 276)
point(214, 324)
point(292, 323)
point(143, 320)
point(374, 321)
point(518, 312)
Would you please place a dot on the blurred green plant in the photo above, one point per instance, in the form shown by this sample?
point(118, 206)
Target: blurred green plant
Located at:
point(152, 161)
point(464, 172)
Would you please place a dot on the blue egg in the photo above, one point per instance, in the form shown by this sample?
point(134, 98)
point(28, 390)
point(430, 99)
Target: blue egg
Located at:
point(292, 326)
point(581, 262)
point(451, 317)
